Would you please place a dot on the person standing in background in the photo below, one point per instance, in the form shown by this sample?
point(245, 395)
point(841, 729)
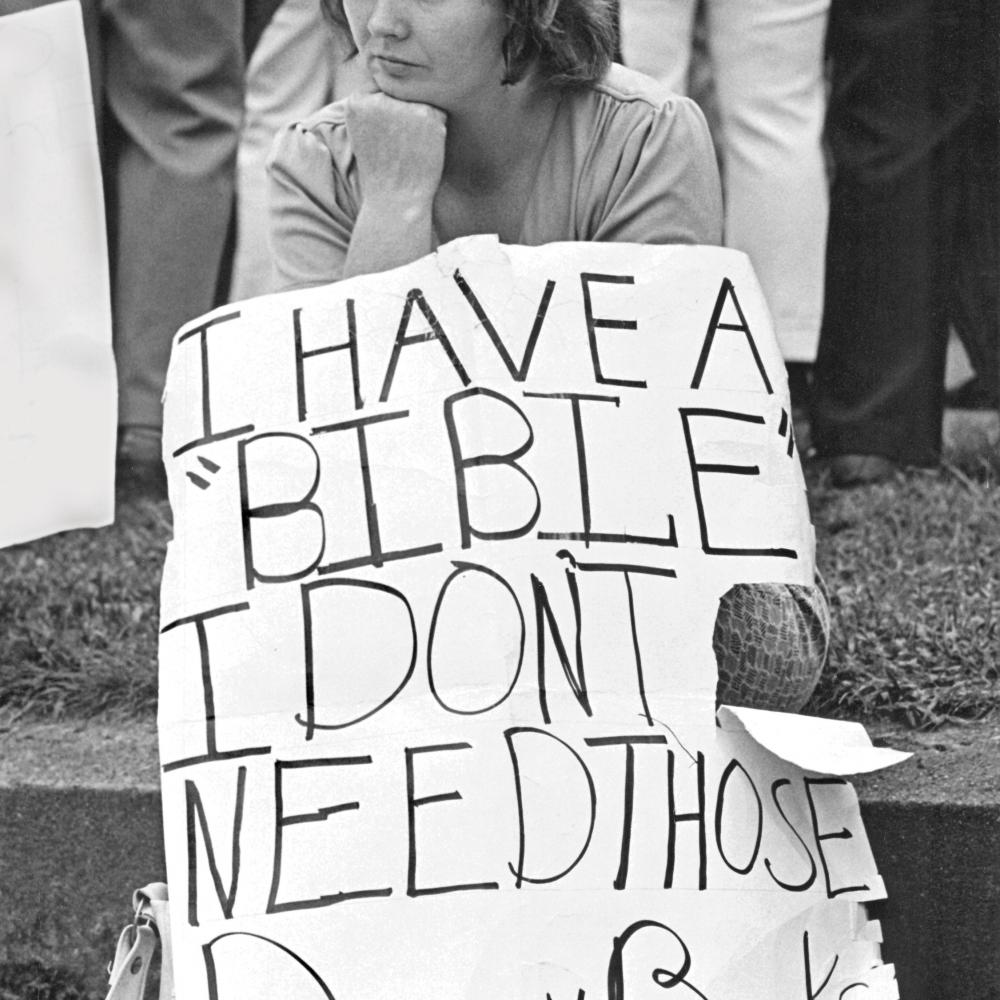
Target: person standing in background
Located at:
point(767, 65)
point(289, 75)
point(173, 84)
point(913, 131)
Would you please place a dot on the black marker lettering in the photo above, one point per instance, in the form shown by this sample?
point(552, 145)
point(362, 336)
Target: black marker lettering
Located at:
point(509, 459)
point(726, 291)
point(208, 434)
point(282, 820)
point(239, 971)
point(195, 808)
point(375, 556)
point(517, 372)
point(698, 816)
point(212, 752)
point(412, 804)
point(485, 648)
point(588, 535)
point(789, 886)
point(698, 469)
point(270, 511)
point(594, 324)
point(544, 616)
point(629, 742)
point(518, 871)
point(664, 978)
point(416, 296)
point(807, 964)
point(842, 834)
point(627, 570)
point(731, 767)
point(350, 345)
point(308, 589)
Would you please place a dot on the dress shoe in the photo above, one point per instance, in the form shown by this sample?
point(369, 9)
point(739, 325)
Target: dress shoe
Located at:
point(976, 394)
point(859, 470)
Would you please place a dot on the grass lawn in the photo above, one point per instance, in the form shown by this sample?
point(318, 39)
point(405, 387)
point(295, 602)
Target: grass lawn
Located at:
point(913, 569)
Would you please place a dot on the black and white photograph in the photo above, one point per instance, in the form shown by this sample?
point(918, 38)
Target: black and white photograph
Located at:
point(500, 499)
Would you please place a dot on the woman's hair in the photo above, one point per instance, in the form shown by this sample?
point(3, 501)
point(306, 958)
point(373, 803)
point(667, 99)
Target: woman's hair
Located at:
point(570, 42)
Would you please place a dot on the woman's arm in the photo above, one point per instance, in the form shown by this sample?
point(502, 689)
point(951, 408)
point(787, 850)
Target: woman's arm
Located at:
point(352, 191)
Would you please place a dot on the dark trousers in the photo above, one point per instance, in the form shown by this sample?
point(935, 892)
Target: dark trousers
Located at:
point(168, 92)
point(909, 125)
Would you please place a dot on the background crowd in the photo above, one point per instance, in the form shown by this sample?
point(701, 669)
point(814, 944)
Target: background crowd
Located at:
point(859, 142)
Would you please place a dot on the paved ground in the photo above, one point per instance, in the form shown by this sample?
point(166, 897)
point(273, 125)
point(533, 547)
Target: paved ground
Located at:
point(80, 826)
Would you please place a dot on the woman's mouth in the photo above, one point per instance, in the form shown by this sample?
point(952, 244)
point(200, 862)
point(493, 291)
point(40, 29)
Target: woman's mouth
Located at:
point(391, 64)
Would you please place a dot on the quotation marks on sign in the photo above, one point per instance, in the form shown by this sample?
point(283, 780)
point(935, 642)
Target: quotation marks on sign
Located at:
point(784, 429)
point(200, 481)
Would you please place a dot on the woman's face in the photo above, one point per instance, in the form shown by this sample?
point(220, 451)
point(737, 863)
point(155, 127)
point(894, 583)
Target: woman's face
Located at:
point(440, 52)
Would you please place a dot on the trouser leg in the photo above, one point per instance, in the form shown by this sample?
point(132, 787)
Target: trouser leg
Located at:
point(289, 76)
point(174, 76)
point(879, 371)
point(656, 39)
point(878, 380)
point(976, 295)
point(767, 57)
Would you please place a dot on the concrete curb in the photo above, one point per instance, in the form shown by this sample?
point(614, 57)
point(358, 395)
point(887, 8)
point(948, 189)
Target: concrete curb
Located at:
point(934, 827)
point(69, 862)
point(71, 857)
point(941, 921)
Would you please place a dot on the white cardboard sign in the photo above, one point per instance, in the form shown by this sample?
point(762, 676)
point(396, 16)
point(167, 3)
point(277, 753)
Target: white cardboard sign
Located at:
point(57, 374)
point(437, 697)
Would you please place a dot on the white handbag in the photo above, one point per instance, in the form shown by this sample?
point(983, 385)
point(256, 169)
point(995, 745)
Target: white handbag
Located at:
point(136, 948)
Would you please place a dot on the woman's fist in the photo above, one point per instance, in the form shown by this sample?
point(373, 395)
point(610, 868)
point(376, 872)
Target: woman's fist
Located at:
point(399, 147)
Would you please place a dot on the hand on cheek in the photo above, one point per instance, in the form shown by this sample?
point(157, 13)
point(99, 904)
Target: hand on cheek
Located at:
point(399, 147)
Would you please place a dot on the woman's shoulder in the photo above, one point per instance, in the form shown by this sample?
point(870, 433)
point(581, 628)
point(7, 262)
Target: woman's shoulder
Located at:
point(632, 97)
point(626, 118)
point(640, 163)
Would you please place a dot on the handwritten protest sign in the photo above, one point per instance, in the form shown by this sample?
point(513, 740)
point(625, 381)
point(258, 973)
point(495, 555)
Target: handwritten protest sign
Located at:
point(437, 699)
point(57, 379)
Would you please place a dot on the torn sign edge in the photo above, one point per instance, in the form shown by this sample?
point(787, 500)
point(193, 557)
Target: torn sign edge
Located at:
point(825, 746)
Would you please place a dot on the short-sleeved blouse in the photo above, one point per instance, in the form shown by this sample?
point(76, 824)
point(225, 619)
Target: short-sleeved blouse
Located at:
point(626, 161)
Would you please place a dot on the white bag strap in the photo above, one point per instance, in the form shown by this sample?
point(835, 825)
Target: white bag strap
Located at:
point(137, 946)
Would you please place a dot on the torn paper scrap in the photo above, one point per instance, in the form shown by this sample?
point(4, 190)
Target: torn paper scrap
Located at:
point(829, 746)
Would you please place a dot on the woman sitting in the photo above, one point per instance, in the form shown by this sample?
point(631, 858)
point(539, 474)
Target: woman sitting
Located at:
point(508, 117)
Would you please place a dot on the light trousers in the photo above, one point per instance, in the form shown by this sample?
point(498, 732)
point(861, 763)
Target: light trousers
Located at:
point(289, 76)
point(767, 65)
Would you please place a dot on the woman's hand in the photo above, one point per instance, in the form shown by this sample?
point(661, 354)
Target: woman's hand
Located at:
point(399, 147)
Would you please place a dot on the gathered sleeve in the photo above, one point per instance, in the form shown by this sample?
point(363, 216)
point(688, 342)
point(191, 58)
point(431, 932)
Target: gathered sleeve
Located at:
point(664, 187)
point(312, 203)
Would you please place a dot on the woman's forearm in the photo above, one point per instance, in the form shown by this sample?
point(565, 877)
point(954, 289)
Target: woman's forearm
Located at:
point(389, 234)
point(399, 148)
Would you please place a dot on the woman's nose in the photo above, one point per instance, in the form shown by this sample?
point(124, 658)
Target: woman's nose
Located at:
point(388, 17)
